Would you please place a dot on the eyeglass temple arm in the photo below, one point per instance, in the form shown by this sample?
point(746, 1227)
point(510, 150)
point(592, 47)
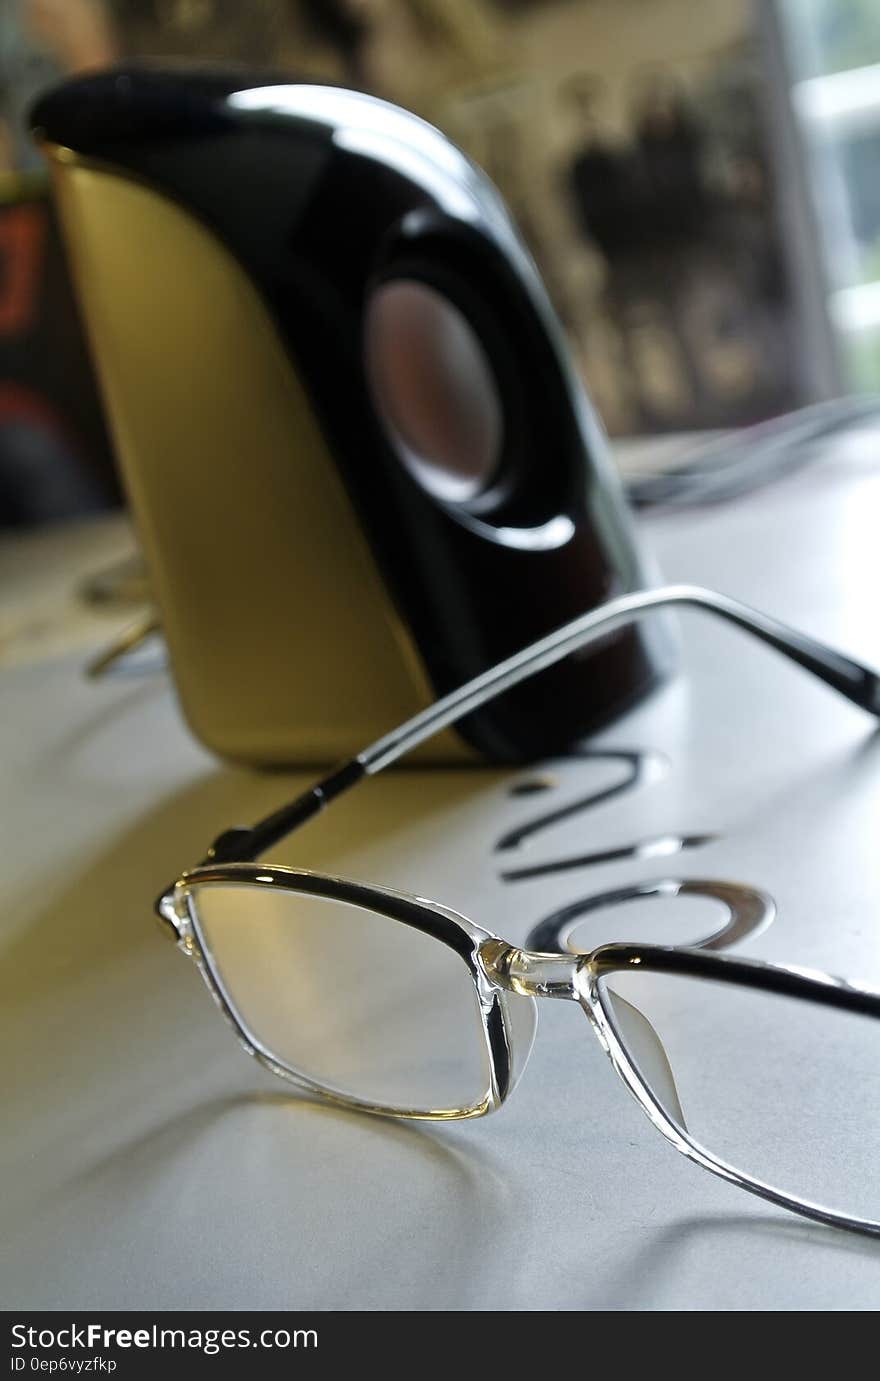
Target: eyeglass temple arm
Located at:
point(858, 683)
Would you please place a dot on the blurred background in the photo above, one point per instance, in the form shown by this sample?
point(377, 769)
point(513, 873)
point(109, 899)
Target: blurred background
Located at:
point(696, 183)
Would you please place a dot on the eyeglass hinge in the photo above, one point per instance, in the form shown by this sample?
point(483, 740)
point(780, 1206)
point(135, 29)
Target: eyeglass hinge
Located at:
point(166, 916)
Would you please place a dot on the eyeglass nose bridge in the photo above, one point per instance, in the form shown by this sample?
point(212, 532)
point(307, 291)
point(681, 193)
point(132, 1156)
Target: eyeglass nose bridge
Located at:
point(532, 974)
point(529, 973)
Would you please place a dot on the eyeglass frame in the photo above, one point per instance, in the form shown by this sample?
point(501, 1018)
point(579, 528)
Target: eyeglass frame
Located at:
point(496, 967)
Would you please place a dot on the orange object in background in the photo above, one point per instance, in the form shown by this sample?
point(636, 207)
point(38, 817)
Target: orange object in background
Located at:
point(55, 458)
point(22, 242)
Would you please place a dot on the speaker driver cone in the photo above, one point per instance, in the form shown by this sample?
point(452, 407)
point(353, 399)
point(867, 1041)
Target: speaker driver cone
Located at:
point(434, 389)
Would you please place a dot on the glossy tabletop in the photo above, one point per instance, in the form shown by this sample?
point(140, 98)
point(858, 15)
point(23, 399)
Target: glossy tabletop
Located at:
point(145, 1162)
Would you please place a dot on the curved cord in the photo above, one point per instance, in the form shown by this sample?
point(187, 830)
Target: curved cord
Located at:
point(113, 656)
point(730, 466)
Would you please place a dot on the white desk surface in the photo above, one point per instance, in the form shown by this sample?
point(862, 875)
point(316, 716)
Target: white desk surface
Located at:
point(146, 1163)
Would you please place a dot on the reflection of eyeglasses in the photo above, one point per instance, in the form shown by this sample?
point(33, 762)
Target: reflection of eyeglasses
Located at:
point(391, 1004)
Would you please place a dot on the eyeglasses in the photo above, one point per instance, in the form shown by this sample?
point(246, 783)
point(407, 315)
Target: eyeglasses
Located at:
point(766, 1075)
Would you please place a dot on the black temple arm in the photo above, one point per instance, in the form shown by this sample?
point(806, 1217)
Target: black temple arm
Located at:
point(858, 683)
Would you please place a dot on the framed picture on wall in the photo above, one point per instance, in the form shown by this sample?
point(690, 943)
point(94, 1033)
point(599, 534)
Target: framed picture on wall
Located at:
point(630, 138)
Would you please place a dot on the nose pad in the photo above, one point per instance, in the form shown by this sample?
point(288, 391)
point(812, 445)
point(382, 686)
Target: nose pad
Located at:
point(521, 1023)
point(647, 1051)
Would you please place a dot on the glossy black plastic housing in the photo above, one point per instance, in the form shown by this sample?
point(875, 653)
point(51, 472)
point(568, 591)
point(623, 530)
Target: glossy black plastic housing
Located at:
point(323, 194)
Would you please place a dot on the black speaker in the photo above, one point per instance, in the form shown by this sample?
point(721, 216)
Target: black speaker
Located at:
point(361, 462)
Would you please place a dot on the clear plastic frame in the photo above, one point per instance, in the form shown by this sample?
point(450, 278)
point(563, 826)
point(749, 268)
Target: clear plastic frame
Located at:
point(395, 1005)
point(371, 978)
point(787, 1066)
